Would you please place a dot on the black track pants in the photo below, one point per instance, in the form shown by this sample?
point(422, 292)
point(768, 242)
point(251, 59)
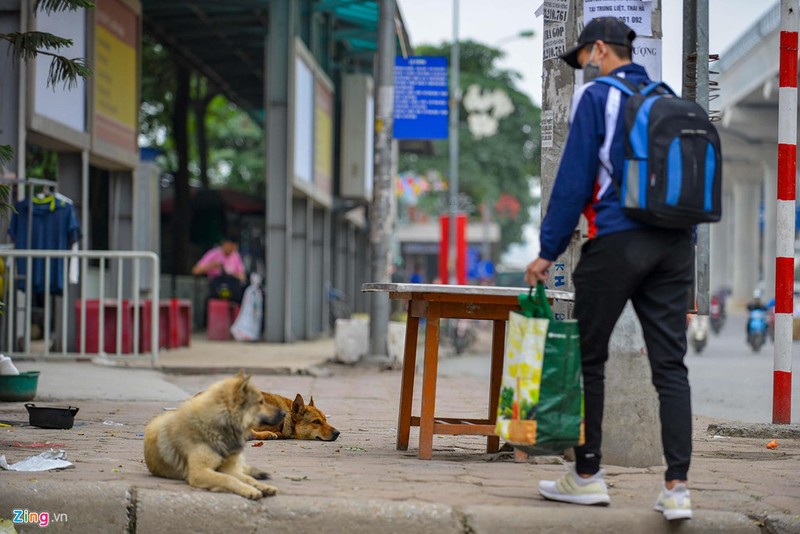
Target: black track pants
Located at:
point(654, 269)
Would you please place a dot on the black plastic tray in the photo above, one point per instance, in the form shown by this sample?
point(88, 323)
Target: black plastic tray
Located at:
point(50, 416)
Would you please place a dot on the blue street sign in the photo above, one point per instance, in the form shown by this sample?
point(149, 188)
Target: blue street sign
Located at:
point(420, 98)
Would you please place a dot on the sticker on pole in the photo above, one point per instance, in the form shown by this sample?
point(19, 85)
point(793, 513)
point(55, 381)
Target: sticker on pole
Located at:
point(420, 98)
point(637, 14)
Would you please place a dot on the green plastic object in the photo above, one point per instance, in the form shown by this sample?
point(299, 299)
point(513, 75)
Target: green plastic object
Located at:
point(21, 387)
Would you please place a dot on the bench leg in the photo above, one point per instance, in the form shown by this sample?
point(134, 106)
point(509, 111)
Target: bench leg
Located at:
point(496, 378)
point(407, 385)
point(429, 382)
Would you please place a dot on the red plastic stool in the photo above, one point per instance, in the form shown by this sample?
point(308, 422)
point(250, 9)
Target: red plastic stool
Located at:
point(220, 317)
point(111, 309)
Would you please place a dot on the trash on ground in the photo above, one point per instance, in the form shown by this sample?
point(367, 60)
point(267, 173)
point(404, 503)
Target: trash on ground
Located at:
point(36, 445)
point(257, 444)
point(52, 459)
point(7, 526)
point(112, 423)
point(7, 366)
point(772, 444)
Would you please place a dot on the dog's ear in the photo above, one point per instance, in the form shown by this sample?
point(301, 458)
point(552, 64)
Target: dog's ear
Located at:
point(244, 381)
point(311, 402)
point(298, 405)
point(243, 377)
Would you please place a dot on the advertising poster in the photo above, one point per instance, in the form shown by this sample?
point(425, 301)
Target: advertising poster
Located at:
point(115, 74)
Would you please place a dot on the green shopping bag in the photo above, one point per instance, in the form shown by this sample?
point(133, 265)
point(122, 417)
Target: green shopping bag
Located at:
point(541, 400)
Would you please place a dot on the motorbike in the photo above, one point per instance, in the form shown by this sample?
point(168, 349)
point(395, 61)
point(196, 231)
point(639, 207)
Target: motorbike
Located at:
point(716, 314)
point(462, 335)
point(697, 333)
point(757, 328)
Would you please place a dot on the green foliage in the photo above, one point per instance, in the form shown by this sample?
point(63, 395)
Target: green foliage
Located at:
point(49, 6)
point(491, 167)
point(236, 144)
point(235, 141)
point(26, 46)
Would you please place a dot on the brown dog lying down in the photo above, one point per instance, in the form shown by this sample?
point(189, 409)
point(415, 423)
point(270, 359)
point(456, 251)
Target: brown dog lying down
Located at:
point(302, 421)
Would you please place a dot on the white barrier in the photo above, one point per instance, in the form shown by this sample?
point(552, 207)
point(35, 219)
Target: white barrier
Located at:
point(18, 303)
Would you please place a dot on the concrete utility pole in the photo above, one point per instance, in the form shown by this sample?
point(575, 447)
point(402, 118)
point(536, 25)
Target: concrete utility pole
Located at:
point(558, 86)
point(695, 44)
point(455, 67)
point(382, 216)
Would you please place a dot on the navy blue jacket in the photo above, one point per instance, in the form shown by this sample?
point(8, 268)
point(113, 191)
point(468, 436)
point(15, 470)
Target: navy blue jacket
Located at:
point(588, 164)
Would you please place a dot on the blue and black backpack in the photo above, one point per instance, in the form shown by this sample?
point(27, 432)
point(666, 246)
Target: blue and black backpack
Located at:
point(672, 176)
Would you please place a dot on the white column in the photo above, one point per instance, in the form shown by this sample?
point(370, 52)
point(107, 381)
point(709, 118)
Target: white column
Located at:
point(745, 250)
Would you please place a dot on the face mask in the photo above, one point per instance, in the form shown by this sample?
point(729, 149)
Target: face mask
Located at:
point(591, 70)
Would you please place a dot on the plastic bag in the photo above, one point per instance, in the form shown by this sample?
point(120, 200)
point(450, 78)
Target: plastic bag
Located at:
point(540, 409)
point(247, 326)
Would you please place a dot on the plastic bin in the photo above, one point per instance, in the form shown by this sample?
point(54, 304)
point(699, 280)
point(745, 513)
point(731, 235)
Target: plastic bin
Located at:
point(221, 314)
point(174, 324)
point(111, 308)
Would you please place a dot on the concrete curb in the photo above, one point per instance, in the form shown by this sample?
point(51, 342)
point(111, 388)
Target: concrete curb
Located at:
point(755, 430)
point(120, 507)
point(200, 370)
point(780, 524)
point(89, 506)
point(567, 518)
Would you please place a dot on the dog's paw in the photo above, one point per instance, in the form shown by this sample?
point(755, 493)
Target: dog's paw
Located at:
point(267, 490)
point(263, 435)
point(252, 493)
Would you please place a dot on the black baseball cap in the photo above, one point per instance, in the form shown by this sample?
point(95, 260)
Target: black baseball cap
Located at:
point(606, 29)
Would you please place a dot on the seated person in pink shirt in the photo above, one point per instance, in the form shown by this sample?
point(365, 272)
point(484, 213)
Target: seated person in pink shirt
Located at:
point(224, 259)
point(225, 270)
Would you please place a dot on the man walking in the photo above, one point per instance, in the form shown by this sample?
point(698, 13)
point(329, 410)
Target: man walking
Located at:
point(624, 259)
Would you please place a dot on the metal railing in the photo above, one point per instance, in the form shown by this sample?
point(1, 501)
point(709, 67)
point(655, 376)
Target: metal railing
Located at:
point(19, 292)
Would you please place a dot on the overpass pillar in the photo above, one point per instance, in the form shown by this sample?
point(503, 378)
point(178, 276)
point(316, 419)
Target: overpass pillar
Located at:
point(746, 197)
point(721, 246)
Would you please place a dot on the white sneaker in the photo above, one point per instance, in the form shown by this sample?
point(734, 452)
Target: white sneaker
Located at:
point(675, 503)
point(573, 489)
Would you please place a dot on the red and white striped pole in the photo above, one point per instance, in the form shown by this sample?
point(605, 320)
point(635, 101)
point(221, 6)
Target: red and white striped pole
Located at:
point(787, 174)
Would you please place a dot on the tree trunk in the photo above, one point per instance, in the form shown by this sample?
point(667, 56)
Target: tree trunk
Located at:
point(181, 211)
point(200, 101)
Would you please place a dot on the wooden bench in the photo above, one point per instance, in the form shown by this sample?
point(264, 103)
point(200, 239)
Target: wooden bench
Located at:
point(434, 302)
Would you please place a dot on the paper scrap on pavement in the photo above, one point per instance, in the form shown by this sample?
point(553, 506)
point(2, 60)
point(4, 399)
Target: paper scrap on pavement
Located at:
point(45, 461)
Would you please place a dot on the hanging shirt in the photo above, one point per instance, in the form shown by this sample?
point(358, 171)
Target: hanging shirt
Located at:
point(54, 226)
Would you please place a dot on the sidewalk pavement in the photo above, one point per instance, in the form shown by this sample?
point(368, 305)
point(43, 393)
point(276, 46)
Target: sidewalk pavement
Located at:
point(359, 483)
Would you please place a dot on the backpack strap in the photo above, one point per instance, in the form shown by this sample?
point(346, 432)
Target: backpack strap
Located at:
point(659, 87)
point(620, 83)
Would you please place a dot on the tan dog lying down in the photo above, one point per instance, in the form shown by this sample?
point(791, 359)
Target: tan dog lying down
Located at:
point(202, 441)
point(302, 421)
